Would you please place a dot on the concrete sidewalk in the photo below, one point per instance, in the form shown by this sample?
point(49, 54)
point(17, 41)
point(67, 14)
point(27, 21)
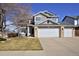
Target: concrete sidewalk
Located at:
point(51, 47)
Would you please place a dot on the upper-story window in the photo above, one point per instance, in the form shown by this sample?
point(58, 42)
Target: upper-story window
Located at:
point(38, 18)
point(78, 22)
point(75, 22)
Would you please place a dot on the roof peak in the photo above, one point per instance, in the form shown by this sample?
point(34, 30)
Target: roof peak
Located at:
point(47, 13)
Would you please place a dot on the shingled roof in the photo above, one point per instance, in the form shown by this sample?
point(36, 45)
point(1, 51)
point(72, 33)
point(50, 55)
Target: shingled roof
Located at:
point(75, 17)
point(68, 23)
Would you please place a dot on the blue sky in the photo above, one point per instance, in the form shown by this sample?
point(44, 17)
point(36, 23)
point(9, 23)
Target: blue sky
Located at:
point(61, 9)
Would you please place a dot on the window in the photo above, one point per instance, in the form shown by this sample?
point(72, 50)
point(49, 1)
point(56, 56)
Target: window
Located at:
point(78, 22)
point(38, 18)
point(75, 22)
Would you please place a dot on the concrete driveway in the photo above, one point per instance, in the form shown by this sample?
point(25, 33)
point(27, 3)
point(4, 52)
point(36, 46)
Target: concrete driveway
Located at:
point(51, 47)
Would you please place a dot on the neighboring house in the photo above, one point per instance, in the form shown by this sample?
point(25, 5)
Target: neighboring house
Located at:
point(72, 20)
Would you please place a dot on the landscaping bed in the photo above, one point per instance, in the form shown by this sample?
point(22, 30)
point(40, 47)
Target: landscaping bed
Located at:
point(21, 44)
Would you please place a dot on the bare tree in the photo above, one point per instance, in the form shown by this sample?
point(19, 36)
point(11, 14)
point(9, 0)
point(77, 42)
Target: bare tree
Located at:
point(19, 13)
point(2, 21)
point(22, 19)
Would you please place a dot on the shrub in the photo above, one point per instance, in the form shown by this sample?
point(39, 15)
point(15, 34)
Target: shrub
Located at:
point(3, 39)
point(12, 34)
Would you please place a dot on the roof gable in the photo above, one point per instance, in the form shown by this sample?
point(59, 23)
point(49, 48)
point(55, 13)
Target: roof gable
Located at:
point(47, 22)
point(68, 20)
point(73, 17)
point(46, 14)
point(67, 17)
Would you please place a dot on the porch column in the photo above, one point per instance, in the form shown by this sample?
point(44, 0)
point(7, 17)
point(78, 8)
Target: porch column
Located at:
point(36, 31)
point(73, 32)
point(61, 32)
point(28, 31)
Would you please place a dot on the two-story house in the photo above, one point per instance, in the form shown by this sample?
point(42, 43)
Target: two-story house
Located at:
point(46, 24)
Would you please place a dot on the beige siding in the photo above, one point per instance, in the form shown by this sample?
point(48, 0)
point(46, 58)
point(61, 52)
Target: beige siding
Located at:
point(43, 18)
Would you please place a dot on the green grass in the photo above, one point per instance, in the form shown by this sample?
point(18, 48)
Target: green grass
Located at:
point(20, 44)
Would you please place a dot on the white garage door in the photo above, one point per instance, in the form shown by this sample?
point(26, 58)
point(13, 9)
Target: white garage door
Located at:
point(48, 32)
point(67, 32)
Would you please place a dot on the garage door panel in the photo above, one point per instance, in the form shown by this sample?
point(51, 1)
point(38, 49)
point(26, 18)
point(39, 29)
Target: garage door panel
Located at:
point(68, 32)
point(48, 32)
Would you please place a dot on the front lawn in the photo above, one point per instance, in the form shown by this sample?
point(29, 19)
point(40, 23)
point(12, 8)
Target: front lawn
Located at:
point(20, 44)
